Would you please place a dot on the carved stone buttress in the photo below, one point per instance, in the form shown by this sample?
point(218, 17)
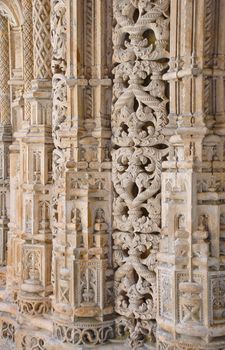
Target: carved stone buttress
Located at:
point(82, 272)
point(191, 272)
point(21, 50)
point(36, 159)
point(140, 38)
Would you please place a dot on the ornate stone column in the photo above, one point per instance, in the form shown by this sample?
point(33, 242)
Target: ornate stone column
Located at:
point(21, 113)
point(36, 160)
point(83, 281)
point(191, 273)
point(5, 140)
point(141, 54)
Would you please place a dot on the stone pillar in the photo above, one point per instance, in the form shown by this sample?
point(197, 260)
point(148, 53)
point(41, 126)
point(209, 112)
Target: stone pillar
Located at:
point(5, 140)
point(191, 272)
point(21, 110)
point(141, 54)
point(28, 62)
point(36, 159)
point(83, 276)
point(21, 56)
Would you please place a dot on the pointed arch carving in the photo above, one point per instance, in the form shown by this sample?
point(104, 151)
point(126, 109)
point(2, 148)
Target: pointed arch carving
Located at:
point(12, 10)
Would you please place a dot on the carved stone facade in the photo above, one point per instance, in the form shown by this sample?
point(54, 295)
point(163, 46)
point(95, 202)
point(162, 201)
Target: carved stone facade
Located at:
point(112, 212)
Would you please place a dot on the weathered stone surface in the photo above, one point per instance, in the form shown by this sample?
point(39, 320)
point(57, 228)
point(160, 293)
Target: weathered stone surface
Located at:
point(190, 262)
point(140, 37)
point(112, 212)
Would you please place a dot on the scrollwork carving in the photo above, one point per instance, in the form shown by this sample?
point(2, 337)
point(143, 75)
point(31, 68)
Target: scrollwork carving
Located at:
point(139, 114)
point(33, 343)
point(88, 334)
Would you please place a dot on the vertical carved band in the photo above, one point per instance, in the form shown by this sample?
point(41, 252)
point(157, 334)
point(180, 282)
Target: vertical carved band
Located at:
point(82, 274)
point(139, 113)
point(59, 112)
point(28, 63)
point(191, 264)
point(42, 41)
point(4, 72)
point(33, 297)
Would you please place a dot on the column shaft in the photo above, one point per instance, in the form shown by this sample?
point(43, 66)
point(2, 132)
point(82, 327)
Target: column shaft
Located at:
point(5, 139)
point(36, 178)
point(4, 71)
point(191, 276)
point(28, 61)
point(141, 54)
point(42, 39)
point(83, 294)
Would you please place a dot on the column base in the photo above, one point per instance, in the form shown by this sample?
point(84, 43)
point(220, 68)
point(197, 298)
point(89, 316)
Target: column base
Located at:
point(86, 332)
point(33, 305)
point(167, 342)
point(28, 332)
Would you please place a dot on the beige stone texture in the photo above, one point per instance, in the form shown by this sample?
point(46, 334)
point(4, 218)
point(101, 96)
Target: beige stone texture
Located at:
point(112, 185)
